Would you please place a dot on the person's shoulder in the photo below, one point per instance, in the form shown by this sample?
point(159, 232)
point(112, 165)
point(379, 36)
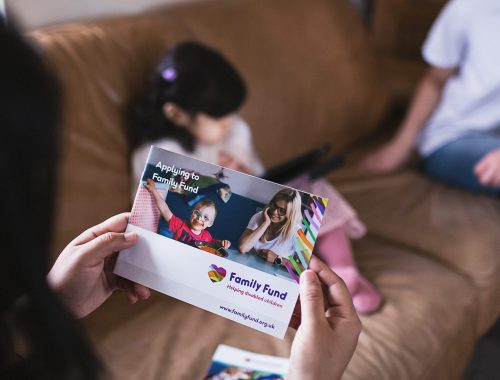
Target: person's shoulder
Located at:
point(447, 40)
point(489, 7)
point(459, 8)
point(257, 215)
point(141, 152)
point(176, 222)
point(164, 143)
point(240, 126)
point(169, 144)
point(254, 220)
point(240, 122)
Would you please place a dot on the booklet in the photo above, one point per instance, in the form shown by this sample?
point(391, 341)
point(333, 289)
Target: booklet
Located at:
point(224, 241)
point(229, 363)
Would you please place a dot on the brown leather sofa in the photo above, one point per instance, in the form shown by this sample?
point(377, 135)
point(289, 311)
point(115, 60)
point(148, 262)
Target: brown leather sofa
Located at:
point(433, 251)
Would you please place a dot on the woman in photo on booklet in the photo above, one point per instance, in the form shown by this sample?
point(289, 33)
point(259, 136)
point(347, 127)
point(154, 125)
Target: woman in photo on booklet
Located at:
point(270, 232)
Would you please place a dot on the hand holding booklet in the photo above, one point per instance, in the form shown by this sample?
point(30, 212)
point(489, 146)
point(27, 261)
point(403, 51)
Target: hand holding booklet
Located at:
point(224, 241)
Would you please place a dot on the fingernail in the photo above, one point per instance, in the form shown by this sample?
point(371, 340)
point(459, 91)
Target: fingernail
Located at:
point(129, 236)
point(308, 277)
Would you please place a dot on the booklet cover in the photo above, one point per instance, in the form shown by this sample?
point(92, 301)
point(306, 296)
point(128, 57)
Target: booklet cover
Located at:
point(229, 363)
point(224, 241)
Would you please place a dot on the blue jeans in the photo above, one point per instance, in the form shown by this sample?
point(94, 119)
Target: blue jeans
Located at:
point(454, 162)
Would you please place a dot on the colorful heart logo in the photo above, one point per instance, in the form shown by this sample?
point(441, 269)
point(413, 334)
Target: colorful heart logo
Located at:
point(216, 274)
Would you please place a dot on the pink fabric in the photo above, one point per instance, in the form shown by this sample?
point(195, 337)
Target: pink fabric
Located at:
point(338, 212)
point(145, 214)
point(334, 249)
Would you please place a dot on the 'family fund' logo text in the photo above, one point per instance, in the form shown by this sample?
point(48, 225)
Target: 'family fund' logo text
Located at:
point(257, 286)
point(216, 274)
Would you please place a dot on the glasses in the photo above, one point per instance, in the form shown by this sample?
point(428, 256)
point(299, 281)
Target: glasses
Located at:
point(281, 210)
point(198, 215)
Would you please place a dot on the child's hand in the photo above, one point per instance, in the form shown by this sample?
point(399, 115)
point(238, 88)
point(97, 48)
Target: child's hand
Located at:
point(386, 158)
point(225, 244)
point(487, 170)
point(268, 255)
point(229, 161)
point(150, 185)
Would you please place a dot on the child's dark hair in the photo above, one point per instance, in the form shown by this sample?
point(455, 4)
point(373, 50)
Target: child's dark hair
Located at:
point(196, 78)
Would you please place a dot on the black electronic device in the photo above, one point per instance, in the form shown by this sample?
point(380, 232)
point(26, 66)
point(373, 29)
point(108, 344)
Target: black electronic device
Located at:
point(296, 166)
point(309, 163)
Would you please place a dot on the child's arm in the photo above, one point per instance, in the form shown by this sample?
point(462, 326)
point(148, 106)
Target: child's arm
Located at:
point(160, 202)
point(250, 237)
point(427, 97)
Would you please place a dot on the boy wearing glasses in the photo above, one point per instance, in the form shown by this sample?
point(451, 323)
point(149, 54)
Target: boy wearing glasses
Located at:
point(202, 216)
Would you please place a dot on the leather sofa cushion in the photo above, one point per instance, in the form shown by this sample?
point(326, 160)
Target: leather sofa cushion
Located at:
point(448, 225)
point(415, 335)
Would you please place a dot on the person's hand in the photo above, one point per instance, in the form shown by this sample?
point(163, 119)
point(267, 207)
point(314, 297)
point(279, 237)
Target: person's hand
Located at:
point(82, 275)
point(268, 255)
point(229, 161)
point(386, 158)
point(487, 170)
point(225, 244)
point(328, 326)
point(150, 185)
point(267, 218)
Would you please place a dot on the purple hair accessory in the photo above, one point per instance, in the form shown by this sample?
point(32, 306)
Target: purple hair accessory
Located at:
point(169, 74)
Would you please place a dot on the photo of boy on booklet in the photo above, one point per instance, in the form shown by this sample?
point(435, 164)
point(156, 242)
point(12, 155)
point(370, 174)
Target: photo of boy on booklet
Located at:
point(202, 217)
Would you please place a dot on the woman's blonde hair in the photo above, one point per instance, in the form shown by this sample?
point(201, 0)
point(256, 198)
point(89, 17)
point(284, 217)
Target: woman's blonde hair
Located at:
point(293, 211)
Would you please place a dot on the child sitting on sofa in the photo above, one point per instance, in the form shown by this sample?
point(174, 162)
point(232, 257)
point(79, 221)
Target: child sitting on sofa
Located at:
point(454, 119)
point(202, 216)
point(190, 107)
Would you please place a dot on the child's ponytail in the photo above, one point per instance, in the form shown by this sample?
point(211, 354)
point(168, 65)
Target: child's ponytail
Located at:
point(148, 122)
point(197, 79)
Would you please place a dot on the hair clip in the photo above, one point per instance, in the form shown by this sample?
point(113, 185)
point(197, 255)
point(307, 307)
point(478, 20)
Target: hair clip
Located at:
point(169, 74)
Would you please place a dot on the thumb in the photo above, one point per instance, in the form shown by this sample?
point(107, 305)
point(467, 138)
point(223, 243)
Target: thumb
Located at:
point(105, 245)
point(311, 298)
